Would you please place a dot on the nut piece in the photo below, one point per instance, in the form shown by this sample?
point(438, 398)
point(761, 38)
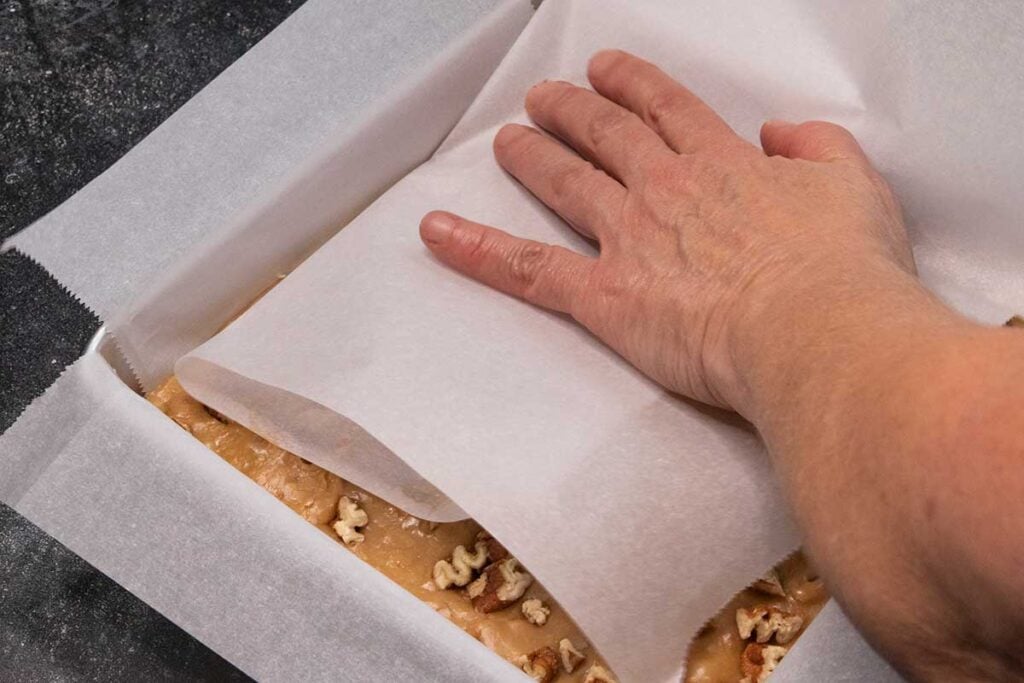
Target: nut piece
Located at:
point(598, 674)
point(496, 552)
point(1015, 321)
point(540, 665)
point(783, 625)
point(759, 661)
point(460, 570)
point(770, 583)
point(477, 588)
point(499, 586)
point(535, 611)
point(570, 656)
point(768, 622)
point(350, 517)
point(748, 619)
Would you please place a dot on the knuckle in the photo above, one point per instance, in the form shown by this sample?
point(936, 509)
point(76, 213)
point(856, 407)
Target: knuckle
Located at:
point(571, 182)
point(663, 106)
point(604, 126)
point(526, 262)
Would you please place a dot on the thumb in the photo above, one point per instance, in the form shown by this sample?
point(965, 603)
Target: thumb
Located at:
point(812, 140)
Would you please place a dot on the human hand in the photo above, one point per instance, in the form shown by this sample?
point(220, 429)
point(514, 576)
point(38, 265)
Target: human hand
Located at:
point(779, 282)
point(704, 238)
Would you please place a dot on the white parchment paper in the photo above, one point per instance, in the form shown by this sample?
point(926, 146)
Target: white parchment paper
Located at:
point(831, 650)
point(265, 163)
point(933, 90)
point(113, 479)
point(519, 417)
point(109, 476)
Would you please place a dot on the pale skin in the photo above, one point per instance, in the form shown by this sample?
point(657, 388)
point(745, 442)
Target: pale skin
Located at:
point(778, 282)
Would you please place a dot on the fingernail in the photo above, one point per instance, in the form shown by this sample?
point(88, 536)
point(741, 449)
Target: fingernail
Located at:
point(437, 227)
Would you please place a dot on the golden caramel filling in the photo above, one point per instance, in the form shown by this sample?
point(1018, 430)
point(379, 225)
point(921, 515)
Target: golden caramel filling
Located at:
point(526, 627)
point(402, 547)
point(716, 654)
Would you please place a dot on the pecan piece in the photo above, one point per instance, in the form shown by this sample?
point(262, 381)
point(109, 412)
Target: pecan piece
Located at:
point(535, 612)
point(460, 570)
point(765, 622)
point(540, 665)
point(496, 552)
point(499, 586)
point(759, 661)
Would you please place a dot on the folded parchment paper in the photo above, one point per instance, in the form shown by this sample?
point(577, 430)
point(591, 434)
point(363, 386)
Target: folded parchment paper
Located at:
point(641, 513)
point(265, 163)
point(831, 650)
point(104, 472)
point(212, 550)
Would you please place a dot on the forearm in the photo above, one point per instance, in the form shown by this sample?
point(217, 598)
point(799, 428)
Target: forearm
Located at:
point(895, 426)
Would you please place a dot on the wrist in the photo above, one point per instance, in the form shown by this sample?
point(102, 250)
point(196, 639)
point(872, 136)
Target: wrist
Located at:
point(792, 351)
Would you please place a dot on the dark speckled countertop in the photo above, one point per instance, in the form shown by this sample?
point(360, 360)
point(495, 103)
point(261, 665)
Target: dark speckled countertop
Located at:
point(82, 81)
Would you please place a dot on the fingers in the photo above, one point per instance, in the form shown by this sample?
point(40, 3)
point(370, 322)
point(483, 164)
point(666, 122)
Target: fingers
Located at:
point(587, 198)
point(542, 274)
point(681, 118)
point(813, 141)
point(603, 132)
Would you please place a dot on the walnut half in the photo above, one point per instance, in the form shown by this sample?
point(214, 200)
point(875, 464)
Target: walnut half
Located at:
point(350, 518)
point(499, 586)
point(460, 570)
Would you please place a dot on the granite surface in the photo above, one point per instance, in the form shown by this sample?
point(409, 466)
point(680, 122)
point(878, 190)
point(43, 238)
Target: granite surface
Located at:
point(82, 81)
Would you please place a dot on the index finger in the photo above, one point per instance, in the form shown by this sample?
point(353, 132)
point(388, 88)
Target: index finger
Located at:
point(542, 274)
point(681, 118)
